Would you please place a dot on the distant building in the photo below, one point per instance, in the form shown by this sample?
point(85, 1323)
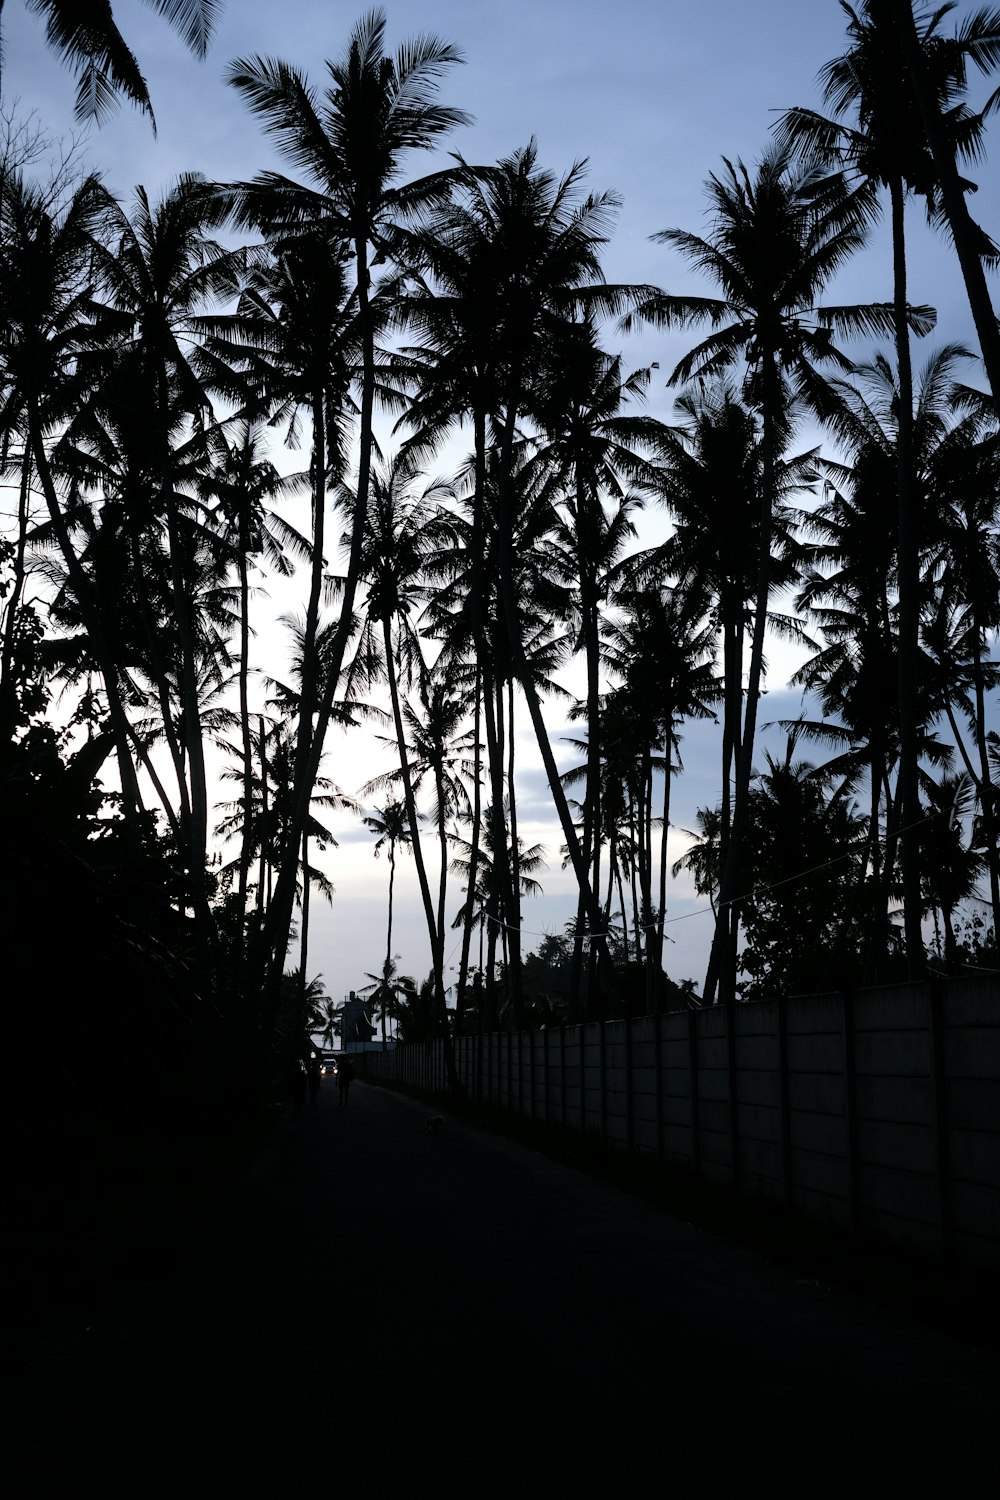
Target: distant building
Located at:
point(357, 1029)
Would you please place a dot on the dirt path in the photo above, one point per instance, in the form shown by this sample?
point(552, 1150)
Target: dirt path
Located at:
point(453, 1313)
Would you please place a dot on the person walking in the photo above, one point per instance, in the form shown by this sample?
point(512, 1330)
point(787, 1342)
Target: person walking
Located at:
point(345, 1077)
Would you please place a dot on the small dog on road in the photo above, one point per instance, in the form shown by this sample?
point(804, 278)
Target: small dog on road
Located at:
point(433, 1124)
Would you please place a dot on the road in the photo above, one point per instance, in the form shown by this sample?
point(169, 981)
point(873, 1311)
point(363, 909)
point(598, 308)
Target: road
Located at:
point(381, 1305)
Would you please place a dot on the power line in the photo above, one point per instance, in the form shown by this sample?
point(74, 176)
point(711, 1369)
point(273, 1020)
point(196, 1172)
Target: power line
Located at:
point(758, 890)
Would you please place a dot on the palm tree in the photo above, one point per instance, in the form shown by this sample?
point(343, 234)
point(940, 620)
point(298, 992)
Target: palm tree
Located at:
point(88, 39)
point(402, 532)
point(804, 843)
point(238, 486)
point(888, 147)
point(849, 592)
point(46, 325)
point(484, 902)
point(517, 257)
point(391, 827)
point(777, 238)
point(952, 867)
point(663, 649)
point(352, 143)
point(845, 593)
point(712, 467)
point(962, 548)
point(703, 857)
point(433, 748)
point(590, 449)
point(270, 797)
point(390, 991)
point(326, 1018)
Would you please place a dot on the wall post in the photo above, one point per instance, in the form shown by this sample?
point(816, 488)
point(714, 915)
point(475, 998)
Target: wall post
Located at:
point(851, 1110)
point(734, 1117)
point(629, 1093)
point(784, 1107)
point(658, 1063)
point(942, 1159)
point(693, 1070)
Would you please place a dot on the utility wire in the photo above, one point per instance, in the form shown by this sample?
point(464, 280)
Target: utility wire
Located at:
point(758, 890)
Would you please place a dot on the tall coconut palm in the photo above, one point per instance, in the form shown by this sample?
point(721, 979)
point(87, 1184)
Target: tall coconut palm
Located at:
point(352, 143)
point(776, 240)
point(88, 39)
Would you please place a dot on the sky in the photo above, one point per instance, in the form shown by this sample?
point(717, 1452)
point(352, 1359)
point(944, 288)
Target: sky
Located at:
point(653, 94)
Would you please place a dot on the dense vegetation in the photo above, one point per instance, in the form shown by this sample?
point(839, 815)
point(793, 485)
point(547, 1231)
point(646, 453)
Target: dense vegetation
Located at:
point(153, 355)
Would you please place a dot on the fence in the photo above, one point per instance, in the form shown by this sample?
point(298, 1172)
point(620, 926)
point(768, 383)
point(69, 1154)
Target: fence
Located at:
point(878, 1110)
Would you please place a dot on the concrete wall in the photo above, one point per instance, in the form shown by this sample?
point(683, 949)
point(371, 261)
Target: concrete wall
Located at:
point(877, 1111)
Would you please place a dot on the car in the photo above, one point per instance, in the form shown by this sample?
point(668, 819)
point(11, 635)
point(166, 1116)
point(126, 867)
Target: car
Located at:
point(328, 1065)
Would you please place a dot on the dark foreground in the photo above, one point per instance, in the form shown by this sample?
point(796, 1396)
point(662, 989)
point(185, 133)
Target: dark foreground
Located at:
point(444, 1311)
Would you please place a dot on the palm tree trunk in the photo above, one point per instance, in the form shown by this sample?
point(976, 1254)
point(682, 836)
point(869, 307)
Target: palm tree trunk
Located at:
point(265, 852)
point(304, 934)
point(514, 968)
point(894, 817)
point(908, 584)
point(476, 835)
point(310, 748)
point(661, 919)
point(732, 650)
point(388, 938)
point(482, 687)
point(246, 848)
point(142, 755)
point(620, 882)
point(433, 932)
point(592, 799)
point(392, 882)
point(442, 831)
point(987, 792)
point(635, 875)
point(496, 752)
point(193, 741)
point(8, 692)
